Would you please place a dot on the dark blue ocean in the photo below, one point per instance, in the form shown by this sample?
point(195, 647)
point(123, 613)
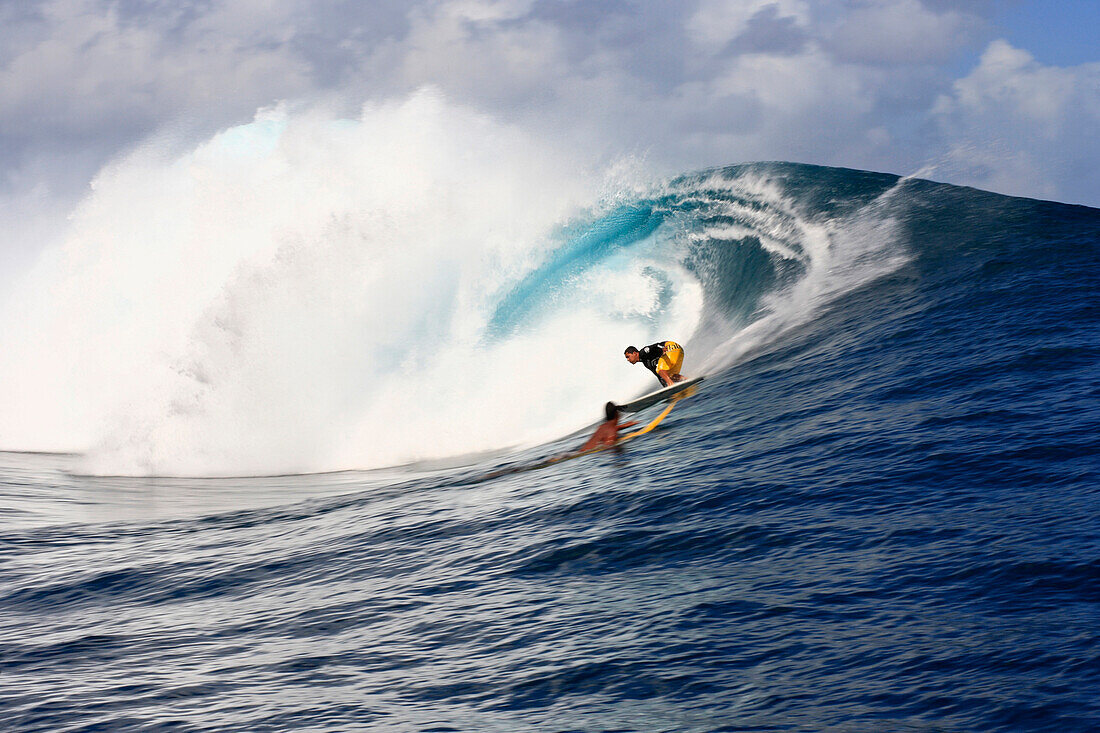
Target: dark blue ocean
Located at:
point(879, 512)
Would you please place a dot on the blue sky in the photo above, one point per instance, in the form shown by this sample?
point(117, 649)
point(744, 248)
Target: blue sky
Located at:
point(1063, 33)
point(1003, 96)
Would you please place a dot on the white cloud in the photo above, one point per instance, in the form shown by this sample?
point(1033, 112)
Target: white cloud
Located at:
point(901, 32)
point(1016, 126)
point(488, 10)
point(94, 70)
point(807, 107)
point(717, 22)
point(796, 86)
point(476, 57)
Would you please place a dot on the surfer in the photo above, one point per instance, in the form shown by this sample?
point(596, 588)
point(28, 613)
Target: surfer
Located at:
point(663, 358)
point(607, 433)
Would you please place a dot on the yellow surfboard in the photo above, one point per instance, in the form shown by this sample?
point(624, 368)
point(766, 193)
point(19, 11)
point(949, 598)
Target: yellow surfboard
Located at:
point(687, 391)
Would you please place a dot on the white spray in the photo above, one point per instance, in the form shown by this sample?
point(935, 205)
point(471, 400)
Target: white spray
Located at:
point(309, 293)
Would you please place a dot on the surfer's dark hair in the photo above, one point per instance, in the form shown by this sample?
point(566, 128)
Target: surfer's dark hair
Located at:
point(629, 350)
point(611, 410)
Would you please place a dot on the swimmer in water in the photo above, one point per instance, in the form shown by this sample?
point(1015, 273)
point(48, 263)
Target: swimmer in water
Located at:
point(607, 434)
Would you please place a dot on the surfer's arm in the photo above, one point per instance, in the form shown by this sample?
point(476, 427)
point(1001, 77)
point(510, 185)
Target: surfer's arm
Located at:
point(666, 380)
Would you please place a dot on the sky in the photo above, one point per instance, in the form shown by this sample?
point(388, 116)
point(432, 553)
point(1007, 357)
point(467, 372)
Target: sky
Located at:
point(1003, 96)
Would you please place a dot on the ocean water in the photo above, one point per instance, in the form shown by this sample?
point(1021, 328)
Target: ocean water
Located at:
point(879, 512)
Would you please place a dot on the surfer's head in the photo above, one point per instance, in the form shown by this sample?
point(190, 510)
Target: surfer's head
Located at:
point(611, 410)
point(632, 354)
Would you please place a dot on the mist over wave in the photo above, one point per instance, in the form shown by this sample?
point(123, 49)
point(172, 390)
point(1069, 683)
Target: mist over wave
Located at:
point(307, 293)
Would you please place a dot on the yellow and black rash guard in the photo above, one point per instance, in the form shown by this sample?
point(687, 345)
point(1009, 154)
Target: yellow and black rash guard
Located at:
point(667, 355)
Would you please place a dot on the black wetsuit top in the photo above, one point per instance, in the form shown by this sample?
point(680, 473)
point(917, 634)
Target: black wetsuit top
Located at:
point(650, 355)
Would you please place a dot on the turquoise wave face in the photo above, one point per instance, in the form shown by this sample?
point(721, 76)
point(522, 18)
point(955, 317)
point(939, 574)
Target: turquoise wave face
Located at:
point(737, 237)
point(584, 247)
